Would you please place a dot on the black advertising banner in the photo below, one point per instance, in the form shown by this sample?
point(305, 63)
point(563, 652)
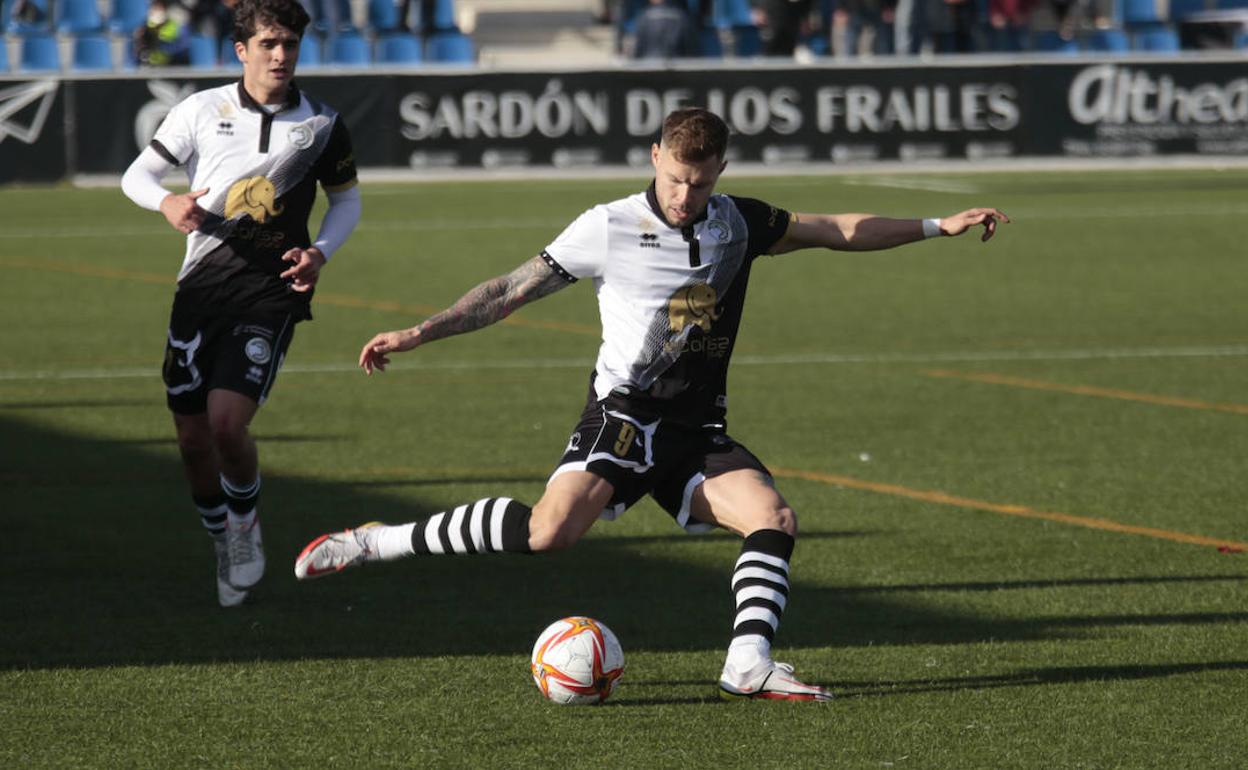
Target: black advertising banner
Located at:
point(114, 119)
point(32, 130)
point(904, 111)
point(1127, 109)
point(777, 115)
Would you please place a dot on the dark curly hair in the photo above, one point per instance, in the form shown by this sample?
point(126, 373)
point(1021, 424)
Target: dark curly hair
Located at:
point(250, 15)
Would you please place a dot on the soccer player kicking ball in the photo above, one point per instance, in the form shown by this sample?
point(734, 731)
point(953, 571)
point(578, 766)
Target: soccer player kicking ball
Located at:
point(670, 267)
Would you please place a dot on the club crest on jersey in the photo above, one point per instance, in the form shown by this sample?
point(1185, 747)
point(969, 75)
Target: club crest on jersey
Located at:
point(255, 196)
point(719, 230)
point(258, 350)
point(692, 305)
point(300, 136)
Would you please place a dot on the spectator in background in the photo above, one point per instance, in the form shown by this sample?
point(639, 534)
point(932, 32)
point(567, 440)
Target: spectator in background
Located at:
point(664, 30)
point(423, 23)
point(1008, 22)
point(782, 23)
point(863, 27)
point(953, 25)
point(212, 18)
point(165, 39)
point(29, 13)
point(910, 26)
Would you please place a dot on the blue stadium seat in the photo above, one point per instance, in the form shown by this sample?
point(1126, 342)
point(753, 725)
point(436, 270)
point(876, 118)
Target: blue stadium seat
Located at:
point(731, 13)
point(40, 52)
point(126, 16)
point(399, 48)
point(444, 15)
point(311, 50)
point(1135, 12)
point(330, 16)
point(227, 57)
point(451, 46)
point(4, 54)
point(75, 16)
point(1157, 38)
point(1108, 41)
point(746, 40)
point(93, 51)
point(1182, 8)
point(348, 49)
point(1051, 41)
point(711, 44)
point(203, 51)
point(383, 15)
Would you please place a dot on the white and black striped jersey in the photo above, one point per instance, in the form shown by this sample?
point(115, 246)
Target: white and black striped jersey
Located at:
point(670, 298)
point(260, 166)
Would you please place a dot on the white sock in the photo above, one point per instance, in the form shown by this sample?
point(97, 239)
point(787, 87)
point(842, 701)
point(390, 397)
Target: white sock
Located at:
point(745, 654)
point(242, 520)
point(395, 542)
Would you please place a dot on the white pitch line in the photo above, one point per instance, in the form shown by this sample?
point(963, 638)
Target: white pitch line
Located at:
point(1107, 354)
point(926, 184)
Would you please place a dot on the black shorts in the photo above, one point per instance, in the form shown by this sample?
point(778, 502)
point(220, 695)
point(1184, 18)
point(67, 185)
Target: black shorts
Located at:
point(642, 454)
point(241, 353)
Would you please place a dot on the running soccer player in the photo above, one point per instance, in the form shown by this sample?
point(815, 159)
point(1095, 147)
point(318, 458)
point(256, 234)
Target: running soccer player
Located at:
point(670, 267)
point(254, 152)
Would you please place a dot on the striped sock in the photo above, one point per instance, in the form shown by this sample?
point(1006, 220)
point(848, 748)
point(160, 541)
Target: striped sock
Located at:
point(241, 500)
point(490, 525)
point(760, 586)
point(212, 512)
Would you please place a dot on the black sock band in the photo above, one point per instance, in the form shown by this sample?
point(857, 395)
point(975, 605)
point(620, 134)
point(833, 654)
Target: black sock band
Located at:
point(242, 500)
point(211, 512)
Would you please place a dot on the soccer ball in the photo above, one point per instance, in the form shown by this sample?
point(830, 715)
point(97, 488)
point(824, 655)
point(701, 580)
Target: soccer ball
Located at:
point(577, 661)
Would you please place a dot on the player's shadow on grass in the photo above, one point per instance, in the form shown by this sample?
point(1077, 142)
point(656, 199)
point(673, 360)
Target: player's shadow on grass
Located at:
point(104, 563)
point(1032, 677)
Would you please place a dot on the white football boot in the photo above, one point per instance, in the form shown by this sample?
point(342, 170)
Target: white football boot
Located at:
point(227, 595)
point(332, 553)
point(246, 554)
point(767, 681)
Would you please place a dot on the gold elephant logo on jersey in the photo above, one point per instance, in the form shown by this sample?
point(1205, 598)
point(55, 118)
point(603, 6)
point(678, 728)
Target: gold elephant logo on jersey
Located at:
point(692, 305)
point(255, 196)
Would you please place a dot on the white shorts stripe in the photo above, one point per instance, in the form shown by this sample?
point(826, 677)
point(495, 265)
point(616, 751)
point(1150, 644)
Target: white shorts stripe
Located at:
point(757, 613)
point(761, 592)
point(432, 541)
point(476, 532)
point(774, 561)
point(779, 578)
point(496, 522)
point(455, 532)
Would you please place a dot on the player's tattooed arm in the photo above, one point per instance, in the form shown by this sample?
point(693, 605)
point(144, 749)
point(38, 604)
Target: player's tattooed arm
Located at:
point(484, 304)
point(494, 300)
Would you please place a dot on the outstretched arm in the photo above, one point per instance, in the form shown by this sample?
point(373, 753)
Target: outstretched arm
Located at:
point(868, 232)
point(483, 305)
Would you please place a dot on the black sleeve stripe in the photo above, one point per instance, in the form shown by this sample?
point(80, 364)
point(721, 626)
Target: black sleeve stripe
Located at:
point(767, 224)
point(160, 148)
point(558, 268)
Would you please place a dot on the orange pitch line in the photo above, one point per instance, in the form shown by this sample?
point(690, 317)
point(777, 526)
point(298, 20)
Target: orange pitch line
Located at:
point(1021, 511)
point(340, 300)
point(1087, 390)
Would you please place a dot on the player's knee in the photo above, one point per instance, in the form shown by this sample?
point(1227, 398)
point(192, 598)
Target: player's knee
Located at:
point(227, 430)
point(195, 448)
point(782, 518)
point(551, 528)
point(550, 536)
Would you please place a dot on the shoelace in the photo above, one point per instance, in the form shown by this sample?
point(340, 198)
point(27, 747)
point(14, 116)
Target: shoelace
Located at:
point(241, 550)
